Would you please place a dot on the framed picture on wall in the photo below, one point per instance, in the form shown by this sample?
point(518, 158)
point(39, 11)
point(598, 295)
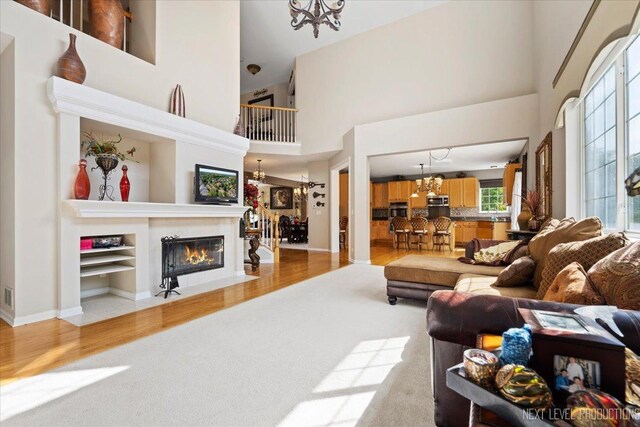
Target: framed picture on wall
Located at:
point(281, 198)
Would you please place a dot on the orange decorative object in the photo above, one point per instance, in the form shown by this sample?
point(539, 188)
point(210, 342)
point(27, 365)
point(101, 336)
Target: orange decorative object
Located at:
point(70, 66)
point(82, 187)
point(106, 19)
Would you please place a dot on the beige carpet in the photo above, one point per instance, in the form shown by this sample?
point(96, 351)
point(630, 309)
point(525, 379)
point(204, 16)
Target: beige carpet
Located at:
point(329, 351)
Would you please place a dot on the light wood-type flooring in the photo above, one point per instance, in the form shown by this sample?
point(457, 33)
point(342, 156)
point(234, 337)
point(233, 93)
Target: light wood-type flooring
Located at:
point(35, 348)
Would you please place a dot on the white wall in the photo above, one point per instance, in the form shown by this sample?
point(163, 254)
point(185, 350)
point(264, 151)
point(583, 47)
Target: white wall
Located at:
point(7, 171)
point(197, 45)
point(279, 91)
point(459, 53)
point(513, 118)
point(555, 27)
point(319, 216)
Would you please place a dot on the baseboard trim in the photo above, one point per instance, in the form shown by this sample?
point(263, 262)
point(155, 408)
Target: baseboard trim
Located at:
point(7, 317)
point(68, 312)
point(32, 318)
point(240, 273)
point(359, 261)
point(317, 250)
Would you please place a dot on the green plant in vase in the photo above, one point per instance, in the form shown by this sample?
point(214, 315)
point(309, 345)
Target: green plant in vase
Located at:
point(107, 155)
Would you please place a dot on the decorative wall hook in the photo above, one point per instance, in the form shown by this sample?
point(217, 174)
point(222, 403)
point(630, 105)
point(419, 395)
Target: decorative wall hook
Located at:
point(313, 184)
point(319, 205)
point(316, 195)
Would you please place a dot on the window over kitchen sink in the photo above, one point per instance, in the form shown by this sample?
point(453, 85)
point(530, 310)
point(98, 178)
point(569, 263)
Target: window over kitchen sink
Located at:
point(492, 200)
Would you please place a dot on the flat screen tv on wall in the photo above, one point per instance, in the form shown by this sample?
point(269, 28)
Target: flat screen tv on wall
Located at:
point(215, 185)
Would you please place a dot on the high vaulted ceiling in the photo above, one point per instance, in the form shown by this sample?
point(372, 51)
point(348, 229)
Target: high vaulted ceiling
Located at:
point(267, 38)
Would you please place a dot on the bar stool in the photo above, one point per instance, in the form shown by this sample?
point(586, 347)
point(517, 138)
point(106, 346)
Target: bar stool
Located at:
point(401, 231)
point(419, 226)
point(441, 233)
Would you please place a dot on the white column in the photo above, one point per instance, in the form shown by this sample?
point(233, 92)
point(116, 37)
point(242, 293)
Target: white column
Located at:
point(68, 239)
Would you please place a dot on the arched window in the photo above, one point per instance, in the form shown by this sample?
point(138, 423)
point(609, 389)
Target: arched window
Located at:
point(611, 139)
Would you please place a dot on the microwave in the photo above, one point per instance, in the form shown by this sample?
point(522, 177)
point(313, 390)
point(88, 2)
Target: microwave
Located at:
point(438, 201)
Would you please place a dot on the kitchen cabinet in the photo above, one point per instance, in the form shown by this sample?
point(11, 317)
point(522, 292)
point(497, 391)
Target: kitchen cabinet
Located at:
point(494, 230)
point(444, 188)
point(380, 195)
point(508, 178)
point(417, 202)
point(466, 231)
point(379, 230)
point(463, 192)
point(399, 191)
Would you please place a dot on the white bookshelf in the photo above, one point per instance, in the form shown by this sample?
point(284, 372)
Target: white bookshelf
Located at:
point(101, 250)
point(104, 259)
point(96, 270)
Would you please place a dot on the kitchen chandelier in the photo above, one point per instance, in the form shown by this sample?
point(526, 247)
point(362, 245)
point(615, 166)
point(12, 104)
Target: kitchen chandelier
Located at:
point(258, 174)
point(322, 14)
point(429, 185)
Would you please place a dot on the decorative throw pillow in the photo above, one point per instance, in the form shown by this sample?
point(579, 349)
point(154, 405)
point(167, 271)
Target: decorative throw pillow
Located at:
point(519, 252)
point(573, 286)
point(617, 277)
point(518, 273)
point(586, 253)
point(494, 254)
point(567, 230)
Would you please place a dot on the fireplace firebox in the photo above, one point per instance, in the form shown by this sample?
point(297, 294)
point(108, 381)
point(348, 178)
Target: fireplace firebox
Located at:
point(182, 256)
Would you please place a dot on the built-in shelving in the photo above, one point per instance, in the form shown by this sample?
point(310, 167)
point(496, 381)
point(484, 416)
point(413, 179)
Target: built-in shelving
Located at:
point(104, 259)
point(100, 250)
point(96, 270)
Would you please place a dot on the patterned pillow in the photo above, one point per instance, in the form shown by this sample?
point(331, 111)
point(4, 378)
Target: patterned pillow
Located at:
point(518, 273)
point(617, 277)
point(494, 254)
point(573, 286)
point(586, 252)
point(567, 230)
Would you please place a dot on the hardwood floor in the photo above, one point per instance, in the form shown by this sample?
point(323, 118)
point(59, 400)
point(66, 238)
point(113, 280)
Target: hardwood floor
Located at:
point(382, 253)
point(32, 349)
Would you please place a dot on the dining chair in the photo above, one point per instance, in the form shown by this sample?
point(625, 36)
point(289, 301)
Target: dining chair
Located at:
point(344, 221)
point(419, 231)
point(441, 233)
point(401, 231)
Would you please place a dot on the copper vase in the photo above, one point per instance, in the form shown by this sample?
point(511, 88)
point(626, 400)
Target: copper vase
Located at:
point(42, 6)
point(70, 65)
point(106, 19)
point(82, 186)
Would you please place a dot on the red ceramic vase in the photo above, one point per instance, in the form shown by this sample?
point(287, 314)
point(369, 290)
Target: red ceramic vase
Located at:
point(82, 187)
point(125, 185)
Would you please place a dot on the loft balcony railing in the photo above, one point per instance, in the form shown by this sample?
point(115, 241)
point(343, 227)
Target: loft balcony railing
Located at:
point(269, 124)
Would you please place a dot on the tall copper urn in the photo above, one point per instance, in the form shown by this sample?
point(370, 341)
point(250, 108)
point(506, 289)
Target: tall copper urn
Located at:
point(106, 19)
point(70, 65)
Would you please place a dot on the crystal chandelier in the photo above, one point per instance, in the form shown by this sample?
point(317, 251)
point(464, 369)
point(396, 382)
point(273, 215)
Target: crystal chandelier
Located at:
point(429, 185)
point(258, 174)
point(300, 192)
point(322, 14)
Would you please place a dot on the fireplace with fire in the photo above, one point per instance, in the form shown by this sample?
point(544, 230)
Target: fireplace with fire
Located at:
point(182, 256)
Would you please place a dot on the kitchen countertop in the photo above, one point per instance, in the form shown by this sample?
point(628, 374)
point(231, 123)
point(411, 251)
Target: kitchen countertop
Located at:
point(481, 218)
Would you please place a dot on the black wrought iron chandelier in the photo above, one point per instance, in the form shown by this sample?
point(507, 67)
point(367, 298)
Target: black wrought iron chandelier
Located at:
point(322, 14)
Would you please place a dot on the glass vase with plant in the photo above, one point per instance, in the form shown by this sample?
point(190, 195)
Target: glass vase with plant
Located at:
point(107, 155)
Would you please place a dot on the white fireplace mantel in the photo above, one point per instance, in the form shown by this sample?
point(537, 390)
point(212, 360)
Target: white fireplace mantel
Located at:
point(106, 209)
point(83, 101)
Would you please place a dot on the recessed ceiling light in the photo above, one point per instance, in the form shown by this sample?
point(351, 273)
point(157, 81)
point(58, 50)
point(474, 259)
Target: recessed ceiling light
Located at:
point(494, 166)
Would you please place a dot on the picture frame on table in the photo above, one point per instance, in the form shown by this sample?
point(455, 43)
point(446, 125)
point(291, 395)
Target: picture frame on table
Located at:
point(579, 345)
